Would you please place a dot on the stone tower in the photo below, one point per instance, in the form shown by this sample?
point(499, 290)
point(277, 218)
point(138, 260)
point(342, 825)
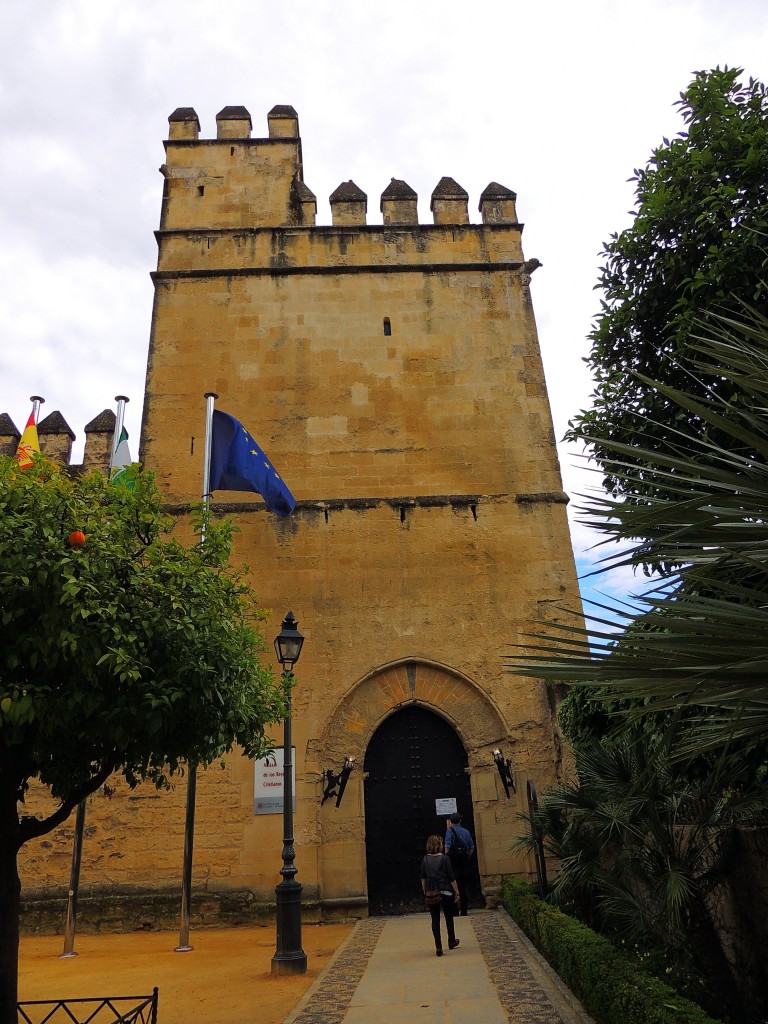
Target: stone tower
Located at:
point(392, 373)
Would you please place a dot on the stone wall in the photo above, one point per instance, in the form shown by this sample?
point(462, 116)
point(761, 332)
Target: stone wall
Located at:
point(392, 374)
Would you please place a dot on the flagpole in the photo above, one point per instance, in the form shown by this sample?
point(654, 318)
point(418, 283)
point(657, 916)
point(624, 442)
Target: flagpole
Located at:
point(119, 418)
point(189, 826)
point(210, 398)
point(74, 884)
point(29, 442)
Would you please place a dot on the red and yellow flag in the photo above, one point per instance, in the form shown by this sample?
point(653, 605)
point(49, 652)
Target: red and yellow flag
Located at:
point(29, 443)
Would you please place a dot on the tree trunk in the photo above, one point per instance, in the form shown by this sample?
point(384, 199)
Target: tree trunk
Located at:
point(10, 901)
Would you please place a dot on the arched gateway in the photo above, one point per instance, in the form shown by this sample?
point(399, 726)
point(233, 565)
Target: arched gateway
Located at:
point(415, 774)
point(423, 735)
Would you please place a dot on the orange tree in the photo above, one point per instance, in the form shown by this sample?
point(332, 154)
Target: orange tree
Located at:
point(132, 653)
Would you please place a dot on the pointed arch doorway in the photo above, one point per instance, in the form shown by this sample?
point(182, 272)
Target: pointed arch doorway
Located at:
point(414, 758)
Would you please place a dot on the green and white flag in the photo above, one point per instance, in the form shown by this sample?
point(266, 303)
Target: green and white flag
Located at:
point(121, 460)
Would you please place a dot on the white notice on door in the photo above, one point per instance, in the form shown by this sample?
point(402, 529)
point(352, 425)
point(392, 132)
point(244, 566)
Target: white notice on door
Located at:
point(444, 806)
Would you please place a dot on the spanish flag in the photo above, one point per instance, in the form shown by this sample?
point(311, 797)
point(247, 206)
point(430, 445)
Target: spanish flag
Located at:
point(29, 443)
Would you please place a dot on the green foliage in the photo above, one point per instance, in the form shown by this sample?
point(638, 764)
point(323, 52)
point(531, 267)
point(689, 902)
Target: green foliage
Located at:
point(618, 829)
point(642, 843)
point(588, 715)
point(697, 240)
point(679, 428)
point(697, 642)
point(612, 989)
point(133, 653)
point(603, 713)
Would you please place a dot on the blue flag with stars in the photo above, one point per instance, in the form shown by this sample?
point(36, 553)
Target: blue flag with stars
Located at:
point(238, 464)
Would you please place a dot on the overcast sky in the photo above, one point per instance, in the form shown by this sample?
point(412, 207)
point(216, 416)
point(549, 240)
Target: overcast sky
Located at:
point(559, 101)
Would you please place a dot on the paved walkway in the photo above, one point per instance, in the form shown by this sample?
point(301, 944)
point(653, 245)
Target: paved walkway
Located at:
point(387, 973)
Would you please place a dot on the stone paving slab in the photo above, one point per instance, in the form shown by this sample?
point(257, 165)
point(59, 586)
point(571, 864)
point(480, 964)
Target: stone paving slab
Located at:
point(387, 973)
point(406, 980)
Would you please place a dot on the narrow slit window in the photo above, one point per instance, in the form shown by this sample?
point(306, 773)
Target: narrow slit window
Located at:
point(387, 327)
point(201, 190)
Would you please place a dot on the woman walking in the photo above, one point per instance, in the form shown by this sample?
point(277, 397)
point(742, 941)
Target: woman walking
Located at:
point(440, 891)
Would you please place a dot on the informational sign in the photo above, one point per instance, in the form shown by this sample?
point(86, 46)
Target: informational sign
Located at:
point(268, 782)
point(445, 806)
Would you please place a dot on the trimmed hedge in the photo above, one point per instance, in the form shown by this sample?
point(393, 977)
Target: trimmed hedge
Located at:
point(610, 987)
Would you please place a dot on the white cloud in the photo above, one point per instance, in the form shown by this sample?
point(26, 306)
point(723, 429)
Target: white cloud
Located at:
point(557, 100)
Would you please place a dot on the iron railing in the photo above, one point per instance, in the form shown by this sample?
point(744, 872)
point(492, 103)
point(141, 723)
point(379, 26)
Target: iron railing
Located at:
point(103, 1010)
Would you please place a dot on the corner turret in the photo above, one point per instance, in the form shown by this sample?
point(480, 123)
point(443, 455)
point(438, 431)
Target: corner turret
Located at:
point(234, 180)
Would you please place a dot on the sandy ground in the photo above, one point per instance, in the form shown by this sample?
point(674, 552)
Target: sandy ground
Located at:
point(226, 977)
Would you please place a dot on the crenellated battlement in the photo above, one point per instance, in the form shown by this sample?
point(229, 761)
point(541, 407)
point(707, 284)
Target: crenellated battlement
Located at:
point(56, 438)
point(236, 181)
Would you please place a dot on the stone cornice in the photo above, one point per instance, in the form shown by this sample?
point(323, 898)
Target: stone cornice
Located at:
point(368, 268)
point(397, 503)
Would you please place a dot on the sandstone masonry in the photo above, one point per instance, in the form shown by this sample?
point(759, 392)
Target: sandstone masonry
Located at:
point(392, 373)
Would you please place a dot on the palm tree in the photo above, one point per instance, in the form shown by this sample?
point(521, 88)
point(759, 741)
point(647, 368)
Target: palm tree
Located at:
point(642, 847)
point(697, 643)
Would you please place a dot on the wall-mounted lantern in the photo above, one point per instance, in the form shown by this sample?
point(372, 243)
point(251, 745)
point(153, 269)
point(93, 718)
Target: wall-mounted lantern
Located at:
point(504, 766)
point(334, 780)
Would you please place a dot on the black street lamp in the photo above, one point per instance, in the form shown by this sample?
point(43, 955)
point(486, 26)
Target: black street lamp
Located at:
point(289, 957)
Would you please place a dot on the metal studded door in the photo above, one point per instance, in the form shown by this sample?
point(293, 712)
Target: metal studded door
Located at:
point(414, 758)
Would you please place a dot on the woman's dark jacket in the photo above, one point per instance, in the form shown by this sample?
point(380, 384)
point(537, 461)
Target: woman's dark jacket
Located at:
point(437, 870)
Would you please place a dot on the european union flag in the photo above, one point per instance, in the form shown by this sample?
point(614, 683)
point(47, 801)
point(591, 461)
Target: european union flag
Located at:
point(238, 464)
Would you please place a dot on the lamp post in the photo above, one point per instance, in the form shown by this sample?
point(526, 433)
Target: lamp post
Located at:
point(289, 957)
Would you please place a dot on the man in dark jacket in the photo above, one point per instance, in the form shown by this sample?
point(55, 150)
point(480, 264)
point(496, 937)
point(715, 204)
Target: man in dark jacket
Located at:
point(460, 848)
